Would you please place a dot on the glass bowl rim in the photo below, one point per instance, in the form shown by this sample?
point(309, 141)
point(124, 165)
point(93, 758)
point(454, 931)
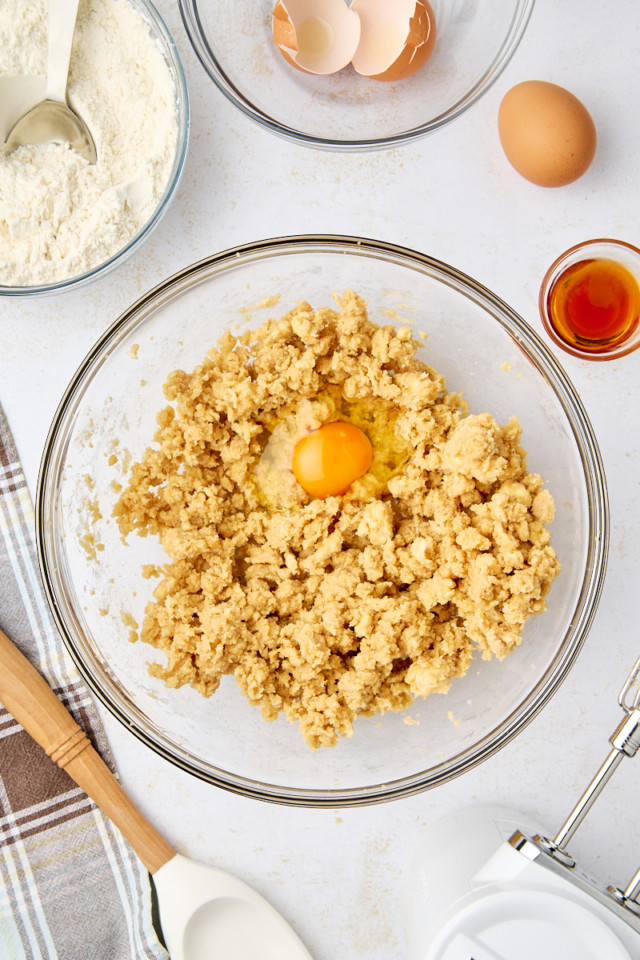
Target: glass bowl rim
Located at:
point(625, 347)
point(182, 142)
point(212, 67)
point(590, 457)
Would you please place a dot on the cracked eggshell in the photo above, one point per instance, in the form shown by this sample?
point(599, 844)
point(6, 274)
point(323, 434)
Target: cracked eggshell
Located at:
point(396, 38)
point(316, 36)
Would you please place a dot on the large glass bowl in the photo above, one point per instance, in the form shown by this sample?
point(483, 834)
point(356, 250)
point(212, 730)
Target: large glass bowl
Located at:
point(475, 40)
point(107, 416)
point(165, 43)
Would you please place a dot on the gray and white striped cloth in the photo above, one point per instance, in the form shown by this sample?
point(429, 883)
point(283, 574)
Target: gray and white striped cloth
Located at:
point(70, 886)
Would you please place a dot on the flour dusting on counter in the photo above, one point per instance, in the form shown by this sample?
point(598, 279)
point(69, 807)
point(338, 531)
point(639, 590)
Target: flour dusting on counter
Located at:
point(59, 215)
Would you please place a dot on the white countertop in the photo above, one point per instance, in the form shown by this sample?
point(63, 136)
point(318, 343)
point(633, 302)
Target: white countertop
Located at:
point(337, 875)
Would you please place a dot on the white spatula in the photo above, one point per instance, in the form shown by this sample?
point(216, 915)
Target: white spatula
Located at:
point(206, 913)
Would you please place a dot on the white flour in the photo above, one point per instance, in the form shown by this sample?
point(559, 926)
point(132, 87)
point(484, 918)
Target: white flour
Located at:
point(59, 215)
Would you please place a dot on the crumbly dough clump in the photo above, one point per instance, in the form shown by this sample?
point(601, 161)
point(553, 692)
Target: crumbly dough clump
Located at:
point(332, 608)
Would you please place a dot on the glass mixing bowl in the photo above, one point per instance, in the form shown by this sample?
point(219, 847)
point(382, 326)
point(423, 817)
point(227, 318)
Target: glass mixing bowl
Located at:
point(165, 43)
point(94, 581)
point(475, 40)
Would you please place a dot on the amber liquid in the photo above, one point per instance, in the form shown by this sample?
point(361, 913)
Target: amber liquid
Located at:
point(594, 305)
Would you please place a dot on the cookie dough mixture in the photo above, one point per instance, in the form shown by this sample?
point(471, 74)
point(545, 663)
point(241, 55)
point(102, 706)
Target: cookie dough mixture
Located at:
point(324, 609)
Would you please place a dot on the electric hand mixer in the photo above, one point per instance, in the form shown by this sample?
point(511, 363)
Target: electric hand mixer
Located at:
point(528, 899)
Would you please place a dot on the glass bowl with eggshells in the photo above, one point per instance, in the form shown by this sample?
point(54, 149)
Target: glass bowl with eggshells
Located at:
point(66, 221)
point(291, 653)
point(358, 76)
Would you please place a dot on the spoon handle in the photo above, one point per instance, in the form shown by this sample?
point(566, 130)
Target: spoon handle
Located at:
point(62, 24)
point(30, 699)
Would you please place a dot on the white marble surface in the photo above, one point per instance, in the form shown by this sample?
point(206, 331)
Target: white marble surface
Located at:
point(338, 875)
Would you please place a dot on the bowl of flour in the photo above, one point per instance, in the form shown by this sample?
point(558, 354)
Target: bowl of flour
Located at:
point(64, 221)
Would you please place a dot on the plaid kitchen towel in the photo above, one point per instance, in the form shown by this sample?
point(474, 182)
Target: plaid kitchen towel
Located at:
point(70, 886)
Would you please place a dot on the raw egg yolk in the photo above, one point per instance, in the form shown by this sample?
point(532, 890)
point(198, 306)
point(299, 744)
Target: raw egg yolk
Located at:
point(327, 461)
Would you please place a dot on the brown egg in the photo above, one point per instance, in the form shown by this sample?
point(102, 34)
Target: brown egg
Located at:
point(547, 134)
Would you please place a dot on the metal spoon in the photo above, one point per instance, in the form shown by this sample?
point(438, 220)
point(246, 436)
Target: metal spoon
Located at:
point(53, 119)
point(206, 914)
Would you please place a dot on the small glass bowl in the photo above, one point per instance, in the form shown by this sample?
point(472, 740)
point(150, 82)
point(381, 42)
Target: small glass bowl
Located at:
point(163, 39)
point(622, 253)
point(344, 111)
point(107, 418)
